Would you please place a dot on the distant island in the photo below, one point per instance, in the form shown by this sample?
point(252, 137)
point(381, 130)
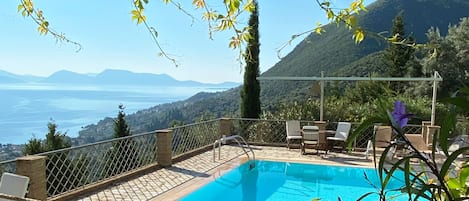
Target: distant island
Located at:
point(107, 77)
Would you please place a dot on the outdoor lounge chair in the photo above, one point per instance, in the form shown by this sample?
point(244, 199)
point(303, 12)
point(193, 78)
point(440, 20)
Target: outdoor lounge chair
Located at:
point(310, 137)
point(14, 185)
point(341, 134)
point(293, 131)
point(383, 136)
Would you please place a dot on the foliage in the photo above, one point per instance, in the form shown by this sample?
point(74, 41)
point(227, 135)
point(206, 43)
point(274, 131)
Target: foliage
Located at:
point(199, 107)
point(54, 140)
point(344, 109)
point(366, 91)
point(121, 129)
point(250, 100)
point(398, 53)
point(34, 146)
point(450, 59)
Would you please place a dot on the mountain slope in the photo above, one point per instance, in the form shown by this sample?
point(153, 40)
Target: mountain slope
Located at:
point(67, 77)
point(6, 77)
point(123, 77)
point(335, 48)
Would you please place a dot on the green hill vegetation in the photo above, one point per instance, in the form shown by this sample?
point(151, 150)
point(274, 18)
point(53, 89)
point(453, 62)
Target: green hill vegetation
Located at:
point(333, 52)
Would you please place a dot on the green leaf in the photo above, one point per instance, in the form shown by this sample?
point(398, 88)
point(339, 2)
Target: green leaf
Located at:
point(448, 125)
point(463, 175)
point(365, 195)
point(20, 7)
point(250, 7)
point(460, 102)
point(198, 3)
point(363, 7)
point(358, 35)
point(407, 177)
point(447, 164)
point(453, 183)
point(326, 4)
point(246, 36)
point(138, 15)
point(330, 14)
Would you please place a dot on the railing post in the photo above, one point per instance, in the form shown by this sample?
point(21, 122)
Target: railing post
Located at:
point(425, 125)
point(226, 125)
point(34, 167)
point(432, 132)
point(321, 125)
point(164, 146)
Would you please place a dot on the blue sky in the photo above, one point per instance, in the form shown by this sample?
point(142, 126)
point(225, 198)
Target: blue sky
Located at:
point(111, 40)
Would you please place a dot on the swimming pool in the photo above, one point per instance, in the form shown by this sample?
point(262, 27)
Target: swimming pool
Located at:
point(280, 181)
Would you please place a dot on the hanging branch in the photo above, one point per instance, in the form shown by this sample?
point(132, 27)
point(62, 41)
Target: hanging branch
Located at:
point(27, 9)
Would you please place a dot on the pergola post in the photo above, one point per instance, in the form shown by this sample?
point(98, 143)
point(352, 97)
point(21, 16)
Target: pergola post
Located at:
point(435, 84)
point(321, 109)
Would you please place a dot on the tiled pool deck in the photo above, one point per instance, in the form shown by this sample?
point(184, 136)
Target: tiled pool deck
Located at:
point(185, 176)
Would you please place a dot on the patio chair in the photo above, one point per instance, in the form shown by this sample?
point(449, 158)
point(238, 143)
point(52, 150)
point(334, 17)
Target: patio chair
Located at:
point(382, 135)
point(341, 134)
point(14, 185)
point(310, 137)
point(293, 131)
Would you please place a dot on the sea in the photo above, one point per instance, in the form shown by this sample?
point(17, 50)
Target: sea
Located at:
point(25, 109)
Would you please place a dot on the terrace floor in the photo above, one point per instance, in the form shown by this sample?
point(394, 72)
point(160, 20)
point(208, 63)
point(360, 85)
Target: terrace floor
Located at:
point(183, 177)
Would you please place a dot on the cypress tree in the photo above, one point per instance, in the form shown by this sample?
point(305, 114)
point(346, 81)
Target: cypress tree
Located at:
point(250, 93)
point(121, 129)
point(397, 55)
point(123, 156)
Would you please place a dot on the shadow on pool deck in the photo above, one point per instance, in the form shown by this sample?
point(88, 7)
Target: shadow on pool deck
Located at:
point(188, 172)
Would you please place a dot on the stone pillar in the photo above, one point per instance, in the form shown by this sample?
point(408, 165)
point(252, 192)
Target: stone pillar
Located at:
point(164, 146)
point(34, 167)
point(321, 125)
point(425, 125)
point(432, 132)
point(225, 126)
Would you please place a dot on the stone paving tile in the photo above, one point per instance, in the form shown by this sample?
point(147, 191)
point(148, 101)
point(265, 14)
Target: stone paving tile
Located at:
point(149, 186)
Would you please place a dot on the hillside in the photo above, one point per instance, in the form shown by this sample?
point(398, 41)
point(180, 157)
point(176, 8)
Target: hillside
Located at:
point(333, 52)
point(209, 105)
point(321, 52)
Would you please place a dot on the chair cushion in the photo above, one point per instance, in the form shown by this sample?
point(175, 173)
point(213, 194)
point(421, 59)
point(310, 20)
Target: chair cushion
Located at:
point(294, 137)
point(310, 142)
point(335, 138)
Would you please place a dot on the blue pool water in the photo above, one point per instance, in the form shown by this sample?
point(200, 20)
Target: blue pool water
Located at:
point(283, 181)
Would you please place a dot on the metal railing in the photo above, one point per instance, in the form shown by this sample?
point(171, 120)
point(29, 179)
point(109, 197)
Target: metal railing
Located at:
point(8, 166)
point(194, 136)
point(72, 168)
point(263, 131)
point(273, 132)
point(362, 139)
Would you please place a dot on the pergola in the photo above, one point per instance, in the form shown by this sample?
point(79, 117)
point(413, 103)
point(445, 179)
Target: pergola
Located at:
point(435, 79)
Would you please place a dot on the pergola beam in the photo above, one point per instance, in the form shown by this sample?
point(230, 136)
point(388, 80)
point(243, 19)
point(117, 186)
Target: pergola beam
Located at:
point(435, 79)
point(438, 79)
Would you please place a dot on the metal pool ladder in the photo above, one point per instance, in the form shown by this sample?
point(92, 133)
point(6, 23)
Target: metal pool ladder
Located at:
point(238, 139)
